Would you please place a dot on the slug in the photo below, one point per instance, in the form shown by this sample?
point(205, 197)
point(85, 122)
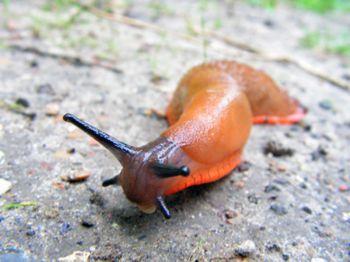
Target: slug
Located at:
point(210, 117)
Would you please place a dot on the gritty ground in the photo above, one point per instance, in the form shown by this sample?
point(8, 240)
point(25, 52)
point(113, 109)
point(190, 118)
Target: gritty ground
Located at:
point(294, 207)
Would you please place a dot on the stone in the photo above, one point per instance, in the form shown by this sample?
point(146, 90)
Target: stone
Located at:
point(76, 256)
point(246, 249)
point(4, 186)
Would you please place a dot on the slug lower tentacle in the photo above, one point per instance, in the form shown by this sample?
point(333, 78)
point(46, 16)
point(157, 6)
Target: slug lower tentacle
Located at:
point(210, 117)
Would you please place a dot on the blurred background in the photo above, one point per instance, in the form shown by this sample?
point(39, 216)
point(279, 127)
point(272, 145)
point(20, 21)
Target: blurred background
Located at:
point(116, 64)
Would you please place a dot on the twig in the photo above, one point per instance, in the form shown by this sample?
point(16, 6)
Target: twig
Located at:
point(15, 108)
point(74, 60)
point(311, 70)
point(230, 41)
point(11, 37)
point(136, 23)
point(282, 59)
point(227, 40)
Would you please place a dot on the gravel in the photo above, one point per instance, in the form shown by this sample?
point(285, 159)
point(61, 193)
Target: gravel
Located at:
point(308, 162)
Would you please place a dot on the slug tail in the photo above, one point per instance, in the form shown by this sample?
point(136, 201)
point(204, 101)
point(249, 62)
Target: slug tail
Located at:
point(290, 119)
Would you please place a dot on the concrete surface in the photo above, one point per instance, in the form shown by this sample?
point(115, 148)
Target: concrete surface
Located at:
point(293, 208)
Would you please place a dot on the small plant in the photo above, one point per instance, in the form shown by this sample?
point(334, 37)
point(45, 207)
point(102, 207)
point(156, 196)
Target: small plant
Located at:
point(338, 44)
point(203, 5)
point(59, 5)
point(190, 27)
point(267, 4)
point(158, 8)
point(3, 45)
point(323, 6)
point(205, 41)
point(6, 10)
point(319, 6)
point(217, 24)
point(311, 40)
point(18, 205)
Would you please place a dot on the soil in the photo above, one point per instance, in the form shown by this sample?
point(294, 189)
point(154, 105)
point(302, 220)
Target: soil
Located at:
point(274, 208)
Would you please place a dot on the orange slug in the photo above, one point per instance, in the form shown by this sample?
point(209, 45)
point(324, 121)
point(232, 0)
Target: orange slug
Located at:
point(210, 117)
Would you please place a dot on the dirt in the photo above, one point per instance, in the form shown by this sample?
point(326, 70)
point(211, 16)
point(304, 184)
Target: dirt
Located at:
point(294, 207)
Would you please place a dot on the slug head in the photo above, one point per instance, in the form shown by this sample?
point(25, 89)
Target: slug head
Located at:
point(145, 169)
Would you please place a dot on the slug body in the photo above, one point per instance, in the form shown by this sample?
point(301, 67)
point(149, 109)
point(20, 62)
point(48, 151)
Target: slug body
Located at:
point(210, 117)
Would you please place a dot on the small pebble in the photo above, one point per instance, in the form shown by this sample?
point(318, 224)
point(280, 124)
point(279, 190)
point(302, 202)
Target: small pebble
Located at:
point(346, 216)
point(285, 257)
point(318, 259)
point(244, 166)
point(277, 149)
point(61, 154)
point(343, 188)
point(76, 256)
point(22, 102)
point(57, 185)
point(276, 167)
point(270, 188)
point(2, 157)
point(278, 209)
point(252, 198)
point(154, 113)
point(346, 77)
point(306, 210)
point(142, 237)
point(281, 181)
point(273, 198)
point(45, 89)
point(46, 166)
point(319, 153)
point(157, 79)
point(326, 104)
point(86, 222)
point(52, 109)
point(229, 216)
point(96, 199)
point(13, 250)
point(77, 177)
point(18, 221)
point(269, 23)
point(239, 184)
point(34, 64)
point(303, 185)
point(307, 127)
point(65, 227)
point(4, 186)
point(2, 218)
point(71, 150)
point(74, 134)
point(273, 248)
point(327, 232)
point(246, 249)
point(30, 233)
point(93, 142)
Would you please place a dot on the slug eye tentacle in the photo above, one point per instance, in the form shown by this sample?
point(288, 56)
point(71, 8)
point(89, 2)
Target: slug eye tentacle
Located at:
point(165, 170)
point(111, 181)
point(163, 207)
point(119, 149)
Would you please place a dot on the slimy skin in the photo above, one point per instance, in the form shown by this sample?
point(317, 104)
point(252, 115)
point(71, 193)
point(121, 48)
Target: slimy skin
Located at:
point(212, 112)
point(210, 117)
